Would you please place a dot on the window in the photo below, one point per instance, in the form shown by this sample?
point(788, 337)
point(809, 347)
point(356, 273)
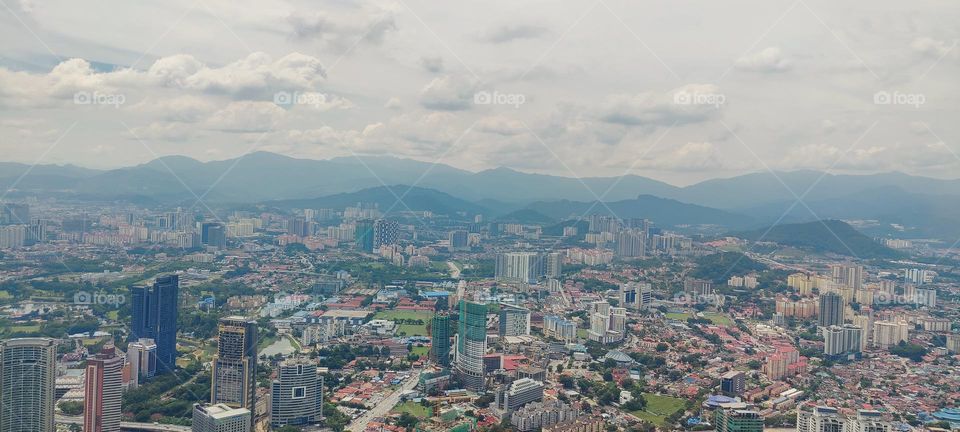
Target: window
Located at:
point(299, 392)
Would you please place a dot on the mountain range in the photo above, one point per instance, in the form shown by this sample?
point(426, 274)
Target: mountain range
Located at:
point(905, 205)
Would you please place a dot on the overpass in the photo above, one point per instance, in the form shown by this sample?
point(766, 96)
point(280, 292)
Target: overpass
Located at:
point(129, 426)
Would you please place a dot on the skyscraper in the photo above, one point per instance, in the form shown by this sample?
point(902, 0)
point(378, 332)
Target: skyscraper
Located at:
point(296, 394)
point(213, 234)
point(385, 232)
point(636, 295)
point(840, 340)
point(738, 420)
point(440, 339)
point(631, 243)
point(471, 345)
point(553, 264)
point(27, 373)
point(732, 383)
point(514, 320)
point(235, 365)
point(524, 267)
point(831, 309)
point(221, 418)
point(103, 391)
point(363, 235)
point(848, 275)
point(142, 356)
point(154, 315)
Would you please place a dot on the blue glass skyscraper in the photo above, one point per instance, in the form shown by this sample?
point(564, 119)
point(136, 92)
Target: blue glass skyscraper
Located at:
point(154, 315)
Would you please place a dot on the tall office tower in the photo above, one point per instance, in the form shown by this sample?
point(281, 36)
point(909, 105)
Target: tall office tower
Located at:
point(738, 420)
point(732, 383)
point(471, 346)
point(14, 214)
point(440, 339)
point(636, 295)
point(235, 366)
point(103, 391)
point(848, 275)
point(221, 418)
point(841, 340)
point(296, 394)
point(553, 264)
point(213, 234)
point(523, 267)
point(363, 235)
point(154, 315)
point(142, 356)
point(698, 287)
point(28, 369)
point(385, 232)
point(831, 309)
point(887, 334)
point(458, 240)
point(631, 243)
point(514, 320)
point(298, 226)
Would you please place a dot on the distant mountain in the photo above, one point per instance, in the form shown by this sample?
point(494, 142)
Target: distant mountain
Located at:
point(926, 207)
point(526, 216)
point(662, 211)
point(390, 200)
point(827, 236)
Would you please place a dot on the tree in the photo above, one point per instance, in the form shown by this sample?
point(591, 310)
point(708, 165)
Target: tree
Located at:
point(71, 408)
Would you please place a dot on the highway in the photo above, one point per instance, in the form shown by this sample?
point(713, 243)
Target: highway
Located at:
point(382, 408)
point(127, 426)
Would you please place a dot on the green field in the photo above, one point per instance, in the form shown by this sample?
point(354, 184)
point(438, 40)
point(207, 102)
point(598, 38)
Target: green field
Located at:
point(5, 295)
point(407, 329)
point(679, 316)
point(718, 318)
point(413, 408)
point(25, 329)
point(420, 351)
point(658, 408)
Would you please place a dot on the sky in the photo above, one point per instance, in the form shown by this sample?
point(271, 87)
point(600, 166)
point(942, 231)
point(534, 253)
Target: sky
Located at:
point(680, 91)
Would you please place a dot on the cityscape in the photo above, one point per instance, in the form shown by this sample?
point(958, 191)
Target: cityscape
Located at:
point(405, 216)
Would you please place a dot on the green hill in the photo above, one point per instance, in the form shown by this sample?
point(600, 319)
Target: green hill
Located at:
point(827, 236)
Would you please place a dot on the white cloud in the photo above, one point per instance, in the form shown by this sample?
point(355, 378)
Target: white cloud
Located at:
point(246, 116)
point(770, 60)
point(448, 93)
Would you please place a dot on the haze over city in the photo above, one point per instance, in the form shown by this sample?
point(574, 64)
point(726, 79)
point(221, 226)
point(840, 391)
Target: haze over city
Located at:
point(412, 216)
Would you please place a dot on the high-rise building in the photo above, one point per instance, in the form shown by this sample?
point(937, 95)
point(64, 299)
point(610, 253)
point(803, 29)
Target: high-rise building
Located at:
point(235, 366)
point(296, 394)
point(154, 315)
point(28, 369)
point(607, 323)
point(732, 383)
point(559, 328)
point(363, 235)
point(698, 287)
point(519, 393)
point(842, 340)
point(514, 320)
point(103, 391)
point(636, 295)
point(887, 334)
point(738, 420)
point(459, 240)
point(553, 264)
point(385, 232)
point(828, 419)
point(631, 244)
point(848, 275)
point(221, 418)
point(953, 343)
point(471, 345)
point(440, 339)
point(831, 309)
point(142, 356)
point(213, 234)
point(538, 415)
point(523, 267)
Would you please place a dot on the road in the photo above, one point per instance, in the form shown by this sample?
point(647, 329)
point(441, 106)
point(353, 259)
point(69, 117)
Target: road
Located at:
point(127, 426)
point(382, 408)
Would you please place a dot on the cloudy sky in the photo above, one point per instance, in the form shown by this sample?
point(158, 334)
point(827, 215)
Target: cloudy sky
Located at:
point(675, 90)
